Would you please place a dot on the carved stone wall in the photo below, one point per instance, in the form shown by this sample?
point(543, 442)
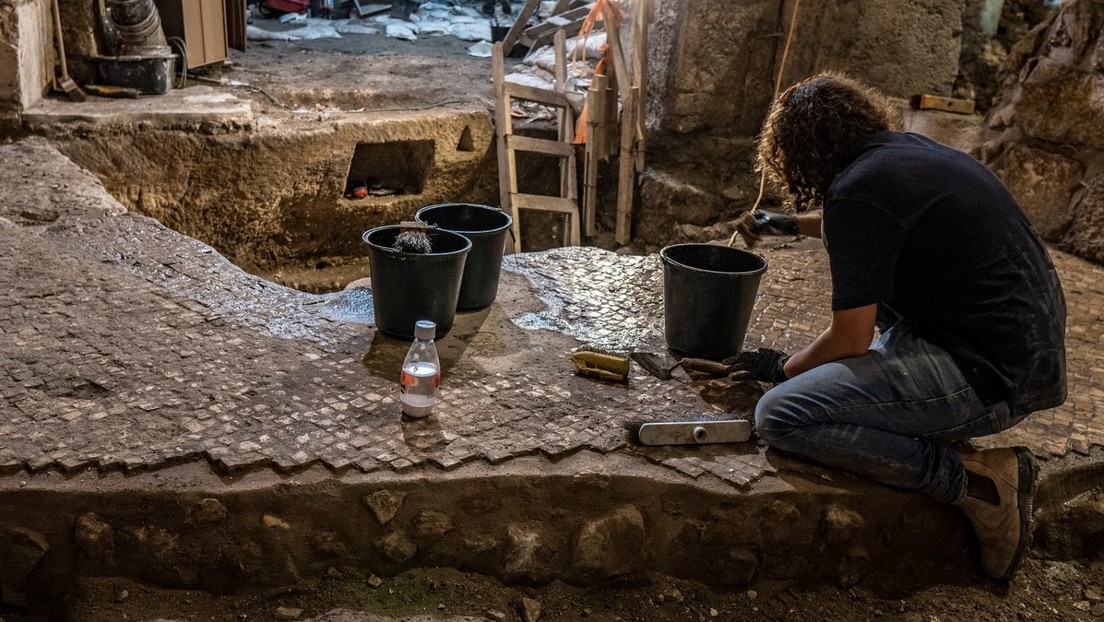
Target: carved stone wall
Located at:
point(1047, 128)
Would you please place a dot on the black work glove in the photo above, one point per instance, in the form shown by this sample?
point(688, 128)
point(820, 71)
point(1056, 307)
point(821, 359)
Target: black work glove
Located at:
point(763, 364)
point(753, 225)
point(773, 223)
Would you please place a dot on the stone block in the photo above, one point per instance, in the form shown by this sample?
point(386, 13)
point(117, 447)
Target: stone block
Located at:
point(1041, 182)
point(902, 48)
point(1061, 104)
point(529, 556)
point(1086, 233)
point(396, 547)
point(612, 545)
point(839, 525)
point(95, 538)
point(21, 549)
point(384, 504)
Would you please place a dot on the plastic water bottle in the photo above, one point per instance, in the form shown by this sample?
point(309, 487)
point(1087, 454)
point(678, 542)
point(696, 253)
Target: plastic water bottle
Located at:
point(421, 372)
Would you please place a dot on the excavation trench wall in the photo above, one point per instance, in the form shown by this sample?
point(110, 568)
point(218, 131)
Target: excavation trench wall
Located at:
point(583, 520)
point(271, 195)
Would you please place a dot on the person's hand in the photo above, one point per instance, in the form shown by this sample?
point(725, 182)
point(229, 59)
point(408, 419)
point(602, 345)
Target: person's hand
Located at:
point(753, 225)
point(763, 364)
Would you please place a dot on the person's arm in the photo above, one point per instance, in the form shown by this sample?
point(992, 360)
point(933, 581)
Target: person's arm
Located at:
point(850, 334)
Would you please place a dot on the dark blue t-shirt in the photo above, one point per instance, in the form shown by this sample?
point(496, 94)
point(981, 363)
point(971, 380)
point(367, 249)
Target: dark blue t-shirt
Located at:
point(933, 234)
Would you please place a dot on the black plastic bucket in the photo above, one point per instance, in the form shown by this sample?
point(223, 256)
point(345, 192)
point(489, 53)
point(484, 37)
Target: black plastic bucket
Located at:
point(407, 287)
point(486, 227)
point(708, 295)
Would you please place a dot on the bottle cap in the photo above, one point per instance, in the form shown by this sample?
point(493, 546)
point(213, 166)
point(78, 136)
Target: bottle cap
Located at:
point(424, 329)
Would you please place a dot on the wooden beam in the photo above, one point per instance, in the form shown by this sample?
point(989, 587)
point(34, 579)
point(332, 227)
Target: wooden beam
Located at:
point(540, 145)
point(626, 178)
point(946, 104)
point(544, 203)
point(534, 94)
point(640, 75)
point(514, 34)
point(507, 175)
point(620, 68)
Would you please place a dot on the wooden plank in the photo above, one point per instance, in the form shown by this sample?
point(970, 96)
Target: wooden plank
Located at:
point(598, 115)
point(568, 167)
point(542, 202)
point(595, 117)
point(620, 68)
point(236, 12)
point(507, 175)
point(559, 21)
point(534, 94)
point(572, 28)
point(609, 141)
point(368, 9)
point(539, 145)
point(626, 178)
point(514, 34)
point(946, 104)
point(640, 73)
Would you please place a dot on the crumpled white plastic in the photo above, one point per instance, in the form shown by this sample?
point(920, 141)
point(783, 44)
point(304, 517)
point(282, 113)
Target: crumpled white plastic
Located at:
point(481, 49)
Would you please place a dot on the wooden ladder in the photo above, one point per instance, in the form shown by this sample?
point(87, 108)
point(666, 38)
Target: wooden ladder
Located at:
point(513, 201)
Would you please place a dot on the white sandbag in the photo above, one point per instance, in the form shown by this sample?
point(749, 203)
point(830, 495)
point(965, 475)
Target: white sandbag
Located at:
point(316, 31)
point(401, 31)
point(254, 33)
point(472, 31)
point(353, 28)
point(434, 27)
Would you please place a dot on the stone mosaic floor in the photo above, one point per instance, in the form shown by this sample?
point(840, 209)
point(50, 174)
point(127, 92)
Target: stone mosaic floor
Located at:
point(126, 345)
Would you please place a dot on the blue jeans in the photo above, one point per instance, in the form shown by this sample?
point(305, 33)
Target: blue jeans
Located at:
point(886, 415)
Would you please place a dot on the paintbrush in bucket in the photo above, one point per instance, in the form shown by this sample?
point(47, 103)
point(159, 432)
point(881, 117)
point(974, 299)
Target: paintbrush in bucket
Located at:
point(413, 238)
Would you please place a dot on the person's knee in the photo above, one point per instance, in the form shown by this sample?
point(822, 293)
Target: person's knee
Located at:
point(775, 417)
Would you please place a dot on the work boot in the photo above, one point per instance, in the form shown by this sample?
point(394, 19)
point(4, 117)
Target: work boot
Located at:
point(1002, 521)
point(506, 10)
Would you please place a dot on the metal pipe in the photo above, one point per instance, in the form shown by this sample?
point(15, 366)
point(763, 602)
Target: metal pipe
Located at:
point(136, 25)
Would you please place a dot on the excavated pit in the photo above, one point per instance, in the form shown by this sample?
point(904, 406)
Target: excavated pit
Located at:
point(245, 442)
point(235, 437)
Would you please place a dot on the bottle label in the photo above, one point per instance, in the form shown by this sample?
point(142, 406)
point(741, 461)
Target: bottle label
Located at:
point(409, 381)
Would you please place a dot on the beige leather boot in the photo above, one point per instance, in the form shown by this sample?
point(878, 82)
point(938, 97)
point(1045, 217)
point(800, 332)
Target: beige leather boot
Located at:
point(1004, 529)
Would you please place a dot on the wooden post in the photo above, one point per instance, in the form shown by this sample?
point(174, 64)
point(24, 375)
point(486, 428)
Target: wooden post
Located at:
point(596, 117)
point(640, 72)
point(507, 176)
point(626, 178)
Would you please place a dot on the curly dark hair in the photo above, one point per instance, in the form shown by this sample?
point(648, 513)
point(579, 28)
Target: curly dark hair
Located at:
point(814, 130)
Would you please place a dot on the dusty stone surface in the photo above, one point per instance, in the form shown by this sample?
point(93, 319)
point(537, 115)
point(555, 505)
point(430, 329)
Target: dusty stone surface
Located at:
point(314, 386)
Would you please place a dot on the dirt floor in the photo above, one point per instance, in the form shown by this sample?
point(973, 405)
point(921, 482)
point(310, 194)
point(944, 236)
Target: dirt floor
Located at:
point(1044, 592)
point(360, 71)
